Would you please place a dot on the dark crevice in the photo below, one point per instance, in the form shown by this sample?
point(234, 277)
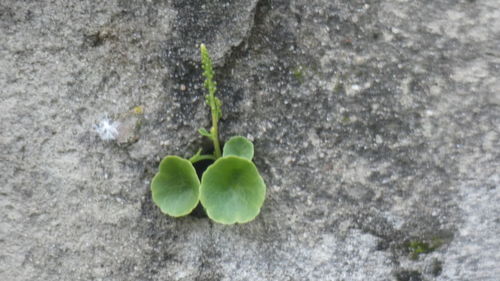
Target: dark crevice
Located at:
point(200, 167)
point(408, 275)
point(161, 229)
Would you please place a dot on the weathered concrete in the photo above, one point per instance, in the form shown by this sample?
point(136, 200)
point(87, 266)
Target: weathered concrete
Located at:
point(375, 124)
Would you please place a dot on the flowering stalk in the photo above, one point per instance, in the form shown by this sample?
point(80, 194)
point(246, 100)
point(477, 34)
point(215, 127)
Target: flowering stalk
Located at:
point(215, 108)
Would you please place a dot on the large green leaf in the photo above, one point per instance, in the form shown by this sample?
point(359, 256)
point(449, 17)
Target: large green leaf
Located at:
point(232, 190)
point(176, 187)
point(239, 146)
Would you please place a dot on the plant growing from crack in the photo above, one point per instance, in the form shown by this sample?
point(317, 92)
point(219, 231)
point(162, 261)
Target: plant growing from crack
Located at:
point(231, 189)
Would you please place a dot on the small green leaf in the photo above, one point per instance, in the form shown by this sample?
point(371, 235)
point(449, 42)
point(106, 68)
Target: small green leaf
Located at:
point(239, 146)
point(176, 187)
point(232, 190)
point(204, 133)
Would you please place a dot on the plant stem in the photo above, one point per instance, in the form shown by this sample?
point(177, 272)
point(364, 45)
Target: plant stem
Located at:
point(215, 136)
point(197, 158)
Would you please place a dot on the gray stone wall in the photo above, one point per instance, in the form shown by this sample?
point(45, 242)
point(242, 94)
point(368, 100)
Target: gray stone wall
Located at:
point(376, 127)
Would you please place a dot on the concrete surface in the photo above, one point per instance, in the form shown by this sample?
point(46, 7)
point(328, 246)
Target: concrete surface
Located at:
point(376, 126)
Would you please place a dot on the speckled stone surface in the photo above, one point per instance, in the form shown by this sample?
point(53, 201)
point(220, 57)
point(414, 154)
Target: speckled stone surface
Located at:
point(376, 127)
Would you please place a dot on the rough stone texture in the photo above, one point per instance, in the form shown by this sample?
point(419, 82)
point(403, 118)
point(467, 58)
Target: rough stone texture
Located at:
point(376, 124)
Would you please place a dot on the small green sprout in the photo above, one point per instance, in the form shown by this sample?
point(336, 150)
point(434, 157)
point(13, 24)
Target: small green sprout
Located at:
point(298, 73)
point(231, 189)
point(418, 247)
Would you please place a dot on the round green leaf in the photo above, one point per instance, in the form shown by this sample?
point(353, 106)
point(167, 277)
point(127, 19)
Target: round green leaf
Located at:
point(232, 190)
point(176, 187)
point(238, 146)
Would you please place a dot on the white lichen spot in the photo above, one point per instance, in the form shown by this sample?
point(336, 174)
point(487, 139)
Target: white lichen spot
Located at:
point(107, 129)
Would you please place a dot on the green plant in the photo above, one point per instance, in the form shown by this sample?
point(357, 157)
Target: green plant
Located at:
point(231, 189)
point(418, 247)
